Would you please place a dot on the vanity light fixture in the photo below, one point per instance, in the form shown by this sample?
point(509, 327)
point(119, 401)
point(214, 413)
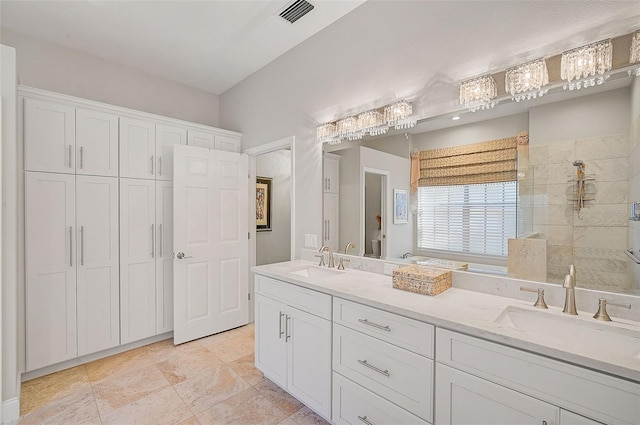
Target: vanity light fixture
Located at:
point(348, 128)
point(479, 93)
point(634, 53)
point(327, 133)
point(585, 66)
point(397, 114)
point(372, 122)
point(527, 81)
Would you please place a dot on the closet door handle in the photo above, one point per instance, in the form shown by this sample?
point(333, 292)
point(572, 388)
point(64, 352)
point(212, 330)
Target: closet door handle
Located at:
point(82, 245)
point(81, 157)
point(70, 246)
point(152, 165)
point(160, 239)
point(328, 229)
point(287, 334)
point(160, 165)
point(280, 331)
point(70, 156)
point(377, 369)
point(153, 240)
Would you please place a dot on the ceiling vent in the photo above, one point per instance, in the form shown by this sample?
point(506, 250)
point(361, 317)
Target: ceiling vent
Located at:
point(296, 10)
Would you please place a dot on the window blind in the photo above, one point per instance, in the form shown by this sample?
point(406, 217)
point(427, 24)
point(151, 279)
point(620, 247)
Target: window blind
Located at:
point(471, 218)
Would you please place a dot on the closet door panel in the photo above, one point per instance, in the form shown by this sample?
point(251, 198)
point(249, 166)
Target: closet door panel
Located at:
point(49, 136)
point(97, 259)
point(164, 259)
point(137, 148)
point(166, 137)
point(50, 269)
point(137, 259)
point(96, 143)
point(201, 139)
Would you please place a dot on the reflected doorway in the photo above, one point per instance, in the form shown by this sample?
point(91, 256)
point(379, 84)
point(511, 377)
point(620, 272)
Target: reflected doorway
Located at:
point(374, 219)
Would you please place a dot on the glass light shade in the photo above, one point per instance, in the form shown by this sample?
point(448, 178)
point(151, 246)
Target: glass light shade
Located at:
point(348, 128)
point(634, 54)
point(478, 93)
point(372, 122)
point(325, 133)
point(527, 81)
point(585, 66)
point(397, 111)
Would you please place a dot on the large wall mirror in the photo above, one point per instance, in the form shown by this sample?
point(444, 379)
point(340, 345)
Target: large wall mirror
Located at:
point(588, 130)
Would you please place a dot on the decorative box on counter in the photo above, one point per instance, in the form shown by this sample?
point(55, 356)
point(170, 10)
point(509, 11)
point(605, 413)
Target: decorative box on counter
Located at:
point(423, 280)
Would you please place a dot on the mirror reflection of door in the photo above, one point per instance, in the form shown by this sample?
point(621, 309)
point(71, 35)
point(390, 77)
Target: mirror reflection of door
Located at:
point(374, 217)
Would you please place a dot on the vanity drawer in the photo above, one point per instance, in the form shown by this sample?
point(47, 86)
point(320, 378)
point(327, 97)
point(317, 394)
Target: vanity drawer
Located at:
point(593, 394)
point(352, 404)
point(312, 302)
point(400, 376)
point(406, 333)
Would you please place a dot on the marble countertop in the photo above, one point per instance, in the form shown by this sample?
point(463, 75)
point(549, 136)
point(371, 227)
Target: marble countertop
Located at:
point(471, 313)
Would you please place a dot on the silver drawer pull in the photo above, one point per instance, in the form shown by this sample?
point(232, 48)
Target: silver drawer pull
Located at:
point(370, 366)
point(375, 325)
point(364, 419)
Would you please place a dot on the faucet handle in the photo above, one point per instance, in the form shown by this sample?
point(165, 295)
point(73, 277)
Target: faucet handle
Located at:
point(321, 255)
point(540, 301)
point(601, 314)
point(342, 261)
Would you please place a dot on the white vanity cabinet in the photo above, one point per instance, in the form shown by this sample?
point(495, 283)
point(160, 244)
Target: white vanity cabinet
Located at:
point(386, 361)
point(498, 384)
point(293, 340)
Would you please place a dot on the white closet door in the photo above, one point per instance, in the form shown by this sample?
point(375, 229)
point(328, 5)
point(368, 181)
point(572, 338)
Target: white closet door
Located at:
point(97, 263)
point(166, 137)
point(137, 259)
point(164, 259)
point(96, 143)
point(49, 136)
point(50, 269)
point(137, 148)
point(201, 139)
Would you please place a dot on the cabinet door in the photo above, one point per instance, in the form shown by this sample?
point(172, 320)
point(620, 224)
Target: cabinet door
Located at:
point(270, 344)
point(96, 143)
point(330, 221)
point(166, 137)
point(49, 136)
point(164, 258)
point(97, 260)
point(137, 148)
point(137, 259)
point(570, 418)
point(50, 269)
point(331, 182)
point(226, 143)
point(201, 139)
point(309, 369)
point(466, 399)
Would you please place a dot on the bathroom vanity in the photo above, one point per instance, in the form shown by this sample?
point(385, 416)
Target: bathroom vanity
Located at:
point(357, 351)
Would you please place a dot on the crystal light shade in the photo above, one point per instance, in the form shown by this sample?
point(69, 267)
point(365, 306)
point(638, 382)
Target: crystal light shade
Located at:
point(634, 53)
point(478, 93)
point(585, 66)
point(327, 133)
point(348, 128)
point(372, 122)
point(527, 81)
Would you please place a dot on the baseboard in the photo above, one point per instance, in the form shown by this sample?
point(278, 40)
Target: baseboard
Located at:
point(10, 411)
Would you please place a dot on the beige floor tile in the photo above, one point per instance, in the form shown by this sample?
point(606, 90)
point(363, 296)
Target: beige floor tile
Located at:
point(206, 390)
point(215, 340)
point(247, 408)
point(306, 416)
point(188, 361)
point(248, 329)
point(47, 389)
point(116, 391)
point(163, 407)
point(191, 421)
point(118, 364)
point(279, 397)
point(234, 348)
point(245, 367)
point(78, 408)
point(288, 421)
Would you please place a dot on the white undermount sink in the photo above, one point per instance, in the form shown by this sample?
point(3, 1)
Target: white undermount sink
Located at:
point(315, 272)
point(583, 334)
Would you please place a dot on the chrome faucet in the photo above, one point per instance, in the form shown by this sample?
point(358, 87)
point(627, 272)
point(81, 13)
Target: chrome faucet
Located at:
point(570, 292)
point(349, 245)
point(407, 255)
point(328, 248)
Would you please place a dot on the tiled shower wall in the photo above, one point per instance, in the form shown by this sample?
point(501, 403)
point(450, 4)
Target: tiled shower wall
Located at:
point(595, 239)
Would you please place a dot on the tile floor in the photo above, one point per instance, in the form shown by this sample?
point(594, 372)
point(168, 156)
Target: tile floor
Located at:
point(208, 381)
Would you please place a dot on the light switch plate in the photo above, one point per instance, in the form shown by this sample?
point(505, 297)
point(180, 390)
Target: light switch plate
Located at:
point(310, 240)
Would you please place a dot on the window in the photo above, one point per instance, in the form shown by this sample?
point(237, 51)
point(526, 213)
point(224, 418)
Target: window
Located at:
point(474, 218)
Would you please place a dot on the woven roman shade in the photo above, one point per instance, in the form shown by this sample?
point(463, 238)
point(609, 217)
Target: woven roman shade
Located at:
point(485, 162)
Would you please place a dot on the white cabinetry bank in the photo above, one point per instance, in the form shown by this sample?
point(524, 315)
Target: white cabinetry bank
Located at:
point(98, 207)
point(395, 357)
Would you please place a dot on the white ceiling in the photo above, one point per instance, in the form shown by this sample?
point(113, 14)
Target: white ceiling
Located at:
point(209, 45)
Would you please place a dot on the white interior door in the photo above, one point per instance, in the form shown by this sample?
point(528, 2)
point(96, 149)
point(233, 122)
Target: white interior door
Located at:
point(210, 242)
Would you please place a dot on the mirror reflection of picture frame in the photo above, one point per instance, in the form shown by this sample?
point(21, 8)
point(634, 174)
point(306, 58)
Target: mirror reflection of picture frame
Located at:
point(400, 206)
point(263, 204)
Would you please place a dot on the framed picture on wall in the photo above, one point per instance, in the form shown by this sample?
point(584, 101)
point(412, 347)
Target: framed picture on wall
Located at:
point(400, 206)
point(263, 204)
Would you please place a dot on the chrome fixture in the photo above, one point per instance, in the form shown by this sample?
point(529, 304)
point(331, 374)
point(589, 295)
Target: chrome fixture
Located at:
point(540, 301)
point(330, 251)
point(406, 255)
point(601, 314)
point(349, 245)
point(570, 294)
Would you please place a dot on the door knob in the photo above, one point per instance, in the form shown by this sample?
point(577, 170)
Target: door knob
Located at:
point(181, 256)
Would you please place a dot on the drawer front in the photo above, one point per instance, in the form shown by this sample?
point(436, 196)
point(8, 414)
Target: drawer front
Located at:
point(592, 394)
point(406, 333)
point(398, 375)
point(355, 405)
point(304, 299)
